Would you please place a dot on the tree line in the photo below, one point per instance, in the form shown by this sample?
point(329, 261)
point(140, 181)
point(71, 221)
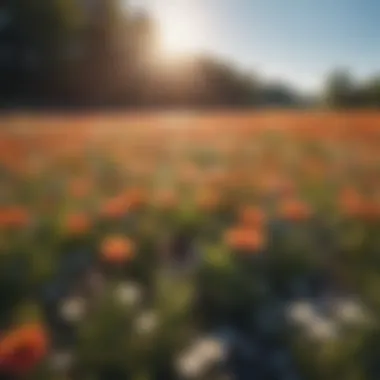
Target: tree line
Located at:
point(343, 91)
point(96, 53)
point(101, 53)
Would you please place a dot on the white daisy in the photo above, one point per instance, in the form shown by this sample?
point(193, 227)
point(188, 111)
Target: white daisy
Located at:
point(73, 309)
point(351, 312)
point(128, 293)
point(190, 365)
point(201, 356)
point(146, 322)
point(322, 328)
point(301, 312)
point(212, 349)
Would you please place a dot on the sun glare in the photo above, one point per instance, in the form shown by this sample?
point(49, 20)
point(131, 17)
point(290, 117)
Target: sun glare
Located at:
point(180, 30)
point(179, 38)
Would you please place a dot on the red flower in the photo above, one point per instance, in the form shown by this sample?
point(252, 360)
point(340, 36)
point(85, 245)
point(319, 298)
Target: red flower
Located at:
point(22, 349)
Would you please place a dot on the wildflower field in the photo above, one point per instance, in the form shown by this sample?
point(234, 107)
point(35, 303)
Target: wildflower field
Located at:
point(214, 246)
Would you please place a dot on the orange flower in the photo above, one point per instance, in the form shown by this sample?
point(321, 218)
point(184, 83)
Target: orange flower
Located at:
point(366, 210)
point(77, 223)
point(370, 211)
point(245, 239)
point(135, 198)
point(252, 217)
point(117, 249)
point(22, 349)
point(114, 208)
point(14, 217)
point(295, 210)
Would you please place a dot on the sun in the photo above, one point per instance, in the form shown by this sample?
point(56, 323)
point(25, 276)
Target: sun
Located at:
point(180, 30)
point(179, 38)
point(181, 26)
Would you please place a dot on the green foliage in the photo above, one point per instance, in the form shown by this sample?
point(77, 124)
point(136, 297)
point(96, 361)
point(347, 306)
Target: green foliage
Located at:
point(342, 92)
point(339, 89)
point(47, 25)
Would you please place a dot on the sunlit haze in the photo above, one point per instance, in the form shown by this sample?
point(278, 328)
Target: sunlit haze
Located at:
point(181, 25)
point(179, 33)
point(298, 41)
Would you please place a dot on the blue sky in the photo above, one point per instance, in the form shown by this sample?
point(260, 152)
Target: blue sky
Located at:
point(298, 41)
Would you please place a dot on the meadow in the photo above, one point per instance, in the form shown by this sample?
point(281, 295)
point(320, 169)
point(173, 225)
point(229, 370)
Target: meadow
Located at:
point(190, 246)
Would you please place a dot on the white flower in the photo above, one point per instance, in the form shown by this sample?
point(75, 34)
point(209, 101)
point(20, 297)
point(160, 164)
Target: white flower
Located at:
point(147, 322)
point(351, 312)
point(190, 365)
point(212, 349)
point(73, 309)
point(200, 356)
point(128, 293)
point(301, 312)
point(61, 361)
point(322, 328)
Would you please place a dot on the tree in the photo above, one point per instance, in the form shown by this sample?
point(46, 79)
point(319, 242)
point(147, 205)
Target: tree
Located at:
point(339, 89)
point(40, 33)
point(279, 94)
point(372, 91)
